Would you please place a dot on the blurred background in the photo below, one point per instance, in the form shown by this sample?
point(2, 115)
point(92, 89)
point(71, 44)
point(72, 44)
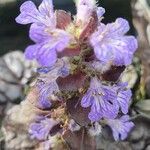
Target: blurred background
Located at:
point(15, 71)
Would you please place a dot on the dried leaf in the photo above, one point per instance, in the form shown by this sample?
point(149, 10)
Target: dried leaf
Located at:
point(143, 107)
point(72, 82)
point(77, 112)
point(90, 27)
point(69, 52)
point(113, 74)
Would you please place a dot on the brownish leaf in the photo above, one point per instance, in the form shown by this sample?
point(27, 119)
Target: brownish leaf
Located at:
point(72, 82)
point(79, 140)
point(113, 74)
point(70, 52)
point(77, 112)
point(90, 27)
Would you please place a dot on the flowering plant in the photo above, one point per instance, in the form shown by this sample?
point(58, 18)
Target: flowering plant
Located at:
point(78, 89)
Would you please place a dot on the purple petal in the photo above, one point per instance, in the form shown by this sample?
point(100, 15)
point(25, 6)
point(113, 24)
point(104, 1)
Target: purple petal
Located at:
point(46, 56)
point(94, 116)
point(40, 130)
point(44, 102)
point(31, 51)
point(111, 45)
point(46, 8)
point(62, 40)
point(125, 118)
point(37, 33)
point(44, 16)
point(29, 13)
point(124, 135)
point(100, 11)
point(123, 100)
point(86, 100)
point(104, 53)
point(115, 134)
point(120, 127)
point(119, 27)
point(47, 13)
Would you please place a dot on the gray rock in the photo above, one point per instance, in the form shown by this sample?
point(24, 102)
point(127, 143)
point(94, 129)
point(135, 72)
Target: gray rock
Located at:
point(148, 147)
point(15, 128)
point(119, 146)
point(138, 146)
point(15, 72)
point(137, 133)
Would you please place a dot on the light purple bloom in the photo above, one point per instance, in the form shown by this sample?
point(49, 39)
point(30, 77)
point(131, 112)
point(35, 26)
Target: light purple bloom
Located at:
point(41, 129)
point(102, 100)
point(100, 12)
point(44, 15)
point(43, 32)
point(111, 45)
point(47, 81)
point(46, 91)
point(46, 51)
point(120, 127)
point(123, 97)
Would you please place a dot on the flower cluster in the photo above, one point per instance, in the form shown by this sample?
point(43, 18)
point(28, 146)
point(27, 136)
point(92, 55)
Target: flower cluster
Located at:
point(75, 56)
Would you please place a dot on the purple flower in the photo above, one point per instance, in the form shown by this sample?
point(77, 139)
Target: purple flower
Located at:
point(44, 15)
point(100, 12)
point(102, 100)
point(41, 129)
point(43, 32)
point(120, 127)
point(47, 81)
point(46, 91)
point(111, 45)
point(123, 97)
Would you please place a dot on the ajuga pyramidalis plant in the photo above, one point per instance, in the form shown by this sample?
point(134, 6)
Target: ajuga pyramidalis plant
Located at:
point(77, 91)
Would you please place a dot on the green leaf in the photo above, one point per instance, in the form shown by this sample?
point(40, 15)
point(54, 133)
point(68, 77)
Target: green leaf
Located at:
point(143, 105)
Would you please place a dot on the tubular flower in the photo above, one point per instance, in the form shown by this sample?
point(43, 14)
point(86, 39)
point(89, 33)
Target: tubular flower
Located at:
point(123, 97)
point(47, 85)
point(40, 130)
point(102, 101)
point(120, 127)
point(46, 91)
point(49, 40)
point(111, 45)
